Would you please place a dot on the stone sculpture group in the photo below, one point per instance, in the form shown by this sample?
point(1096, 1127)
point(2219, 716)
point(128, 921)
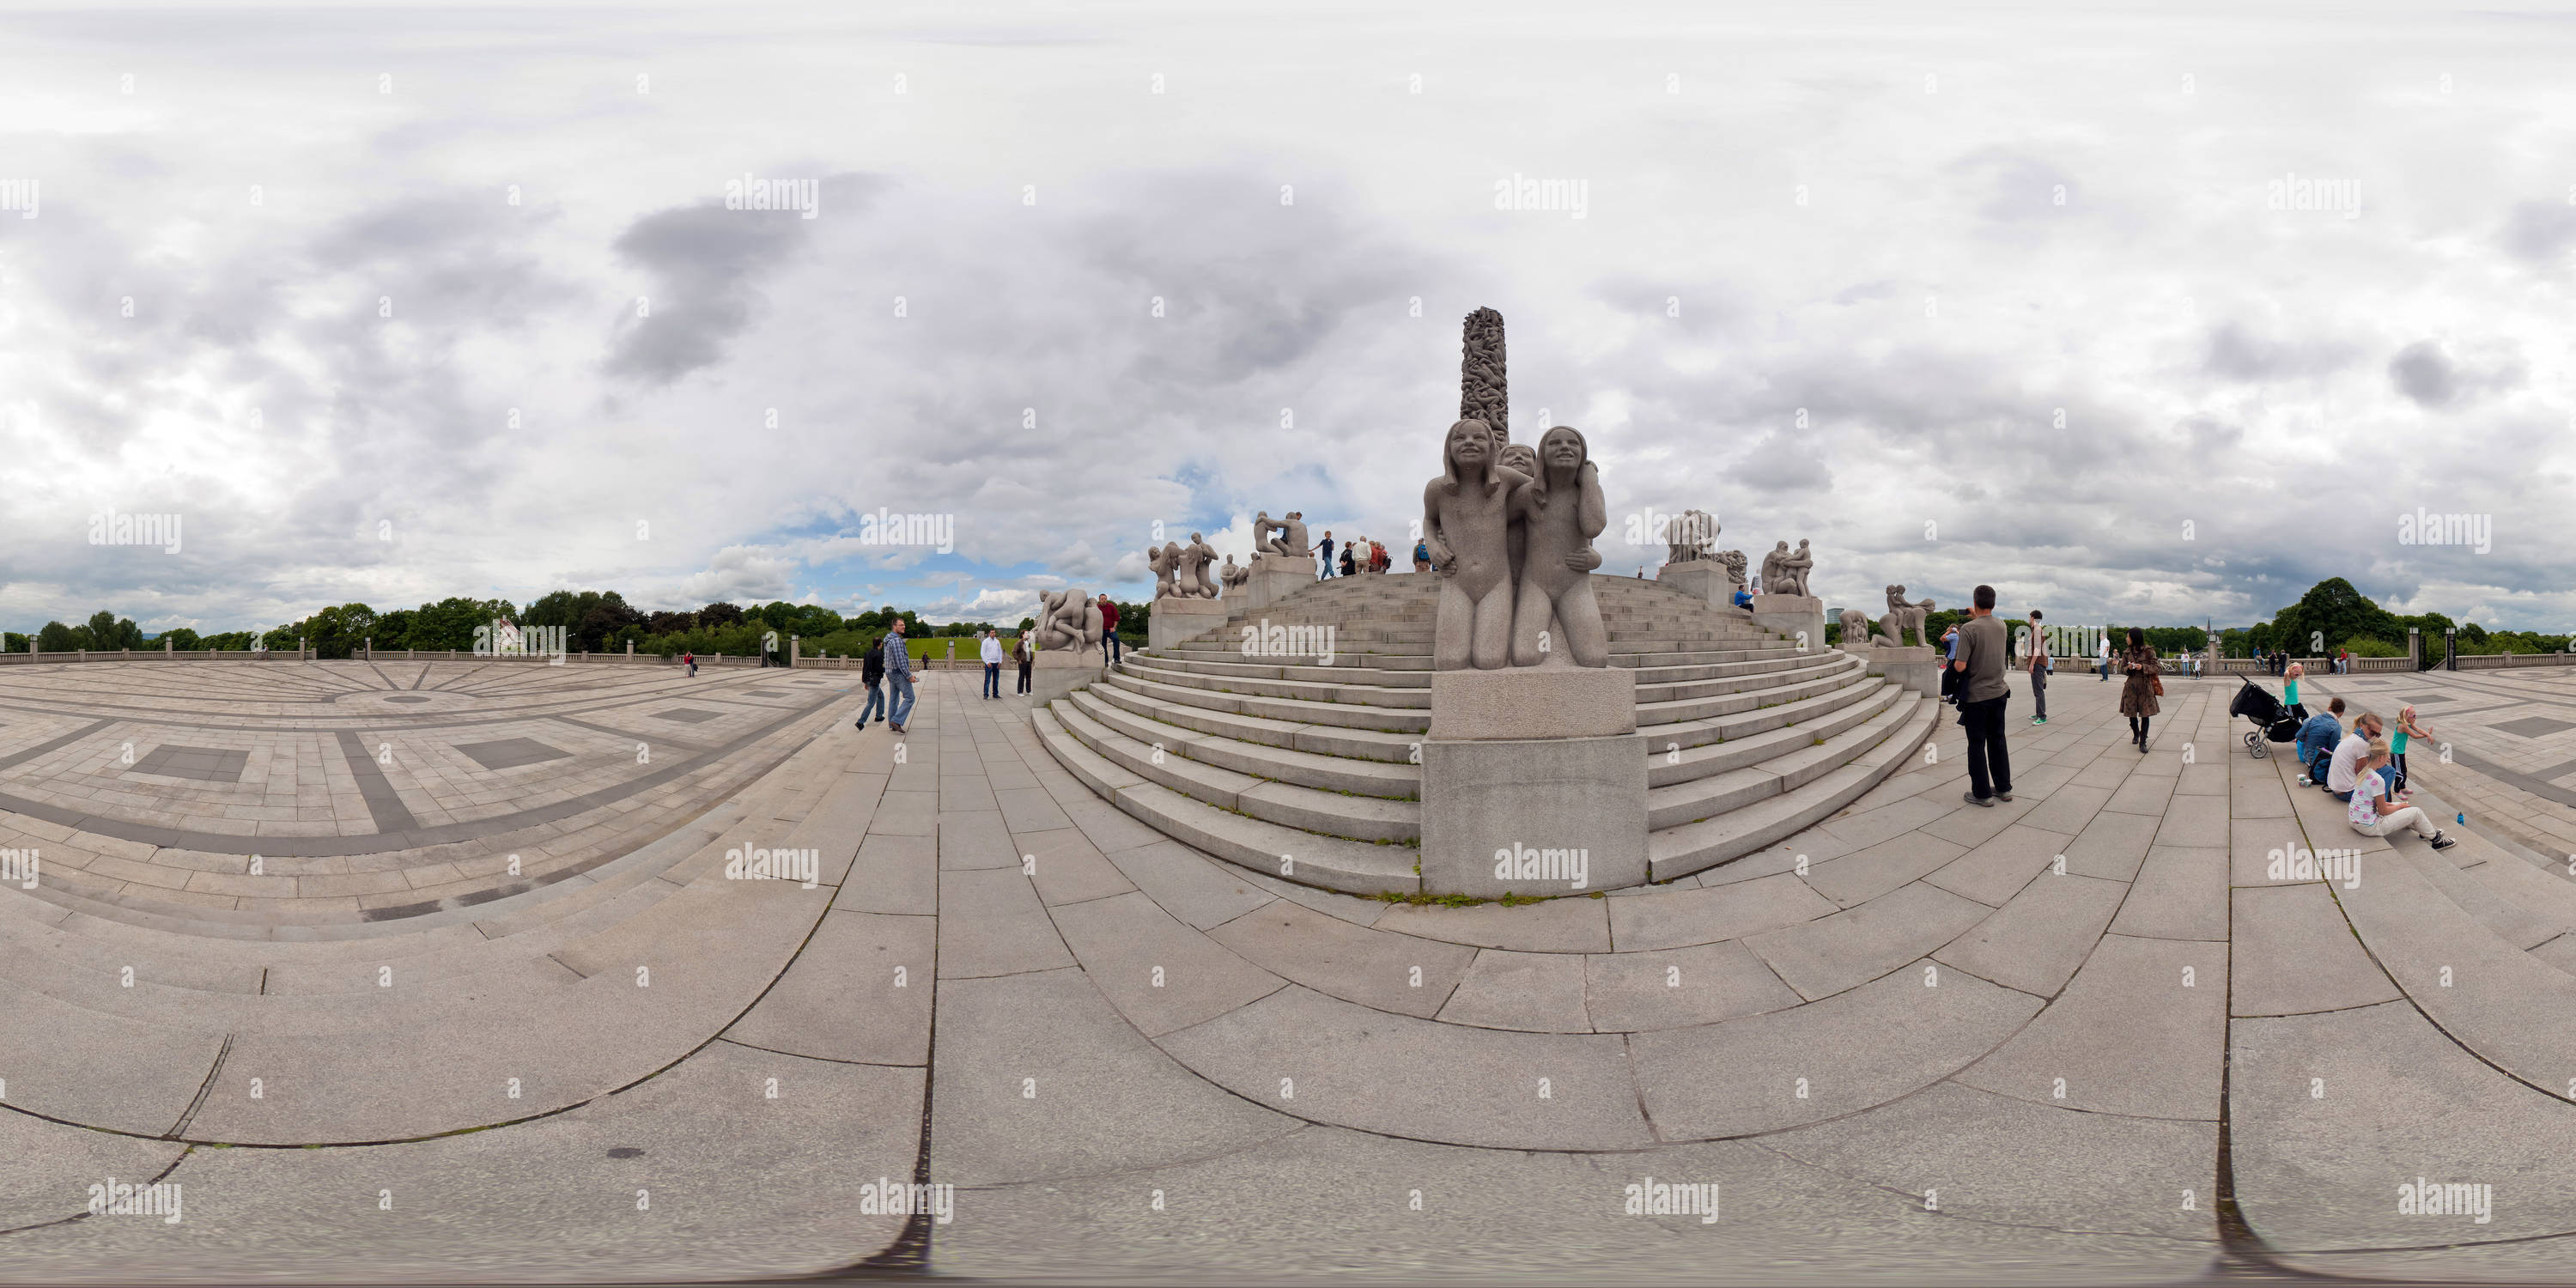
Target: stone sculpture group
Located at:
point(1513, 547)
point(1902, 616)
point(1690, 538)
point(1784, 573)
point(1235, 575)
point(1291, 540)
point(1183, 570)
point(1069, 620)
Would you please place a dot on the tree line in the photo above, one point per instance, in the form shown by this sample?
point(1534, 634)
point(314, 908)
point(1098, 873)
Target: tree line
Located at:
point(592, 621)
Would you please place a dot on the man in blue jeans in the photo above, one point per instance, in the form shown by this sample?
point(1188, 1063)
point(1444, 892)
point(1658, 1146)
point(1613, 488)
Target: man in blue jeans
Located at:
point(1109, 630)
point(991, 653)
point(898, 669)
point(872, 674)
point(2317, 741)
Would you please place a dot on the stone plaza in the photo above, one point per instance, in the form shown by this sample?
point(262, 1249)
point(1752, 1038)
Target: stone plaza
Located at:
point(511, 994)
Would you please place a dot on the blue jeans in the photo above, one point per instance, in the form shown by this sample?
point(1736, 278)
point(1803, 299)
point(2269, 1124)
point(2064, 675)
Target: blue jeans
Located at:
point(1117, 650)
point(876, 702)
point(902, 708)
point(992, 679)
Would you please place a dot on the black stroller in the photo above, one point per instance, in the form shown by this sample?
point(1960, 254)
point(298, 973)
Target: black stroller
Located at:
point(2272, 721)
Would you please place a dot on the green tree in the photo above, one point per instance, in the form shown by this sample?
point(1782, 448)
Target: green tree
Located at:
point(2332, 611)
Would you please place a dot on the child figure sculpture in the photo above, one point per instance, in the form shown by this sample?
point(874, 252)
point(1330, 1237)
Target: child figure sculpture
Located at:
point(1563, 510)
point(1466, 515)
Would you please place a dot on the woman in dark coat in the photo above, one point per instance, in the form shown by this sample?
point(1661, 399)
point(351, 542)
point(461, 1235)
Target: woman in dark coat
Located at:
point(2138, 692)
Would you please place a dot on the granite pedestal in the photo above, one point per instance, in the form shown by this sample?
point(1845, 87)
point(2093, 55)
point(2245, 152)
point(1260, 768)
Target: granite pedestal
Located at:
point(1916, 666)
point(1277, 576)
point(1057, 672)
point(1703, 579)
point(1800, 617)
point(1177, 618)
point(1533, 782)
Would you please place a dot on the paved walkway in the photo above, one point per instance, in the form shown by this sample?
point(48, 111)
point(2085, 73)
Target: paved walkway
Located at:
point(1908, 1044)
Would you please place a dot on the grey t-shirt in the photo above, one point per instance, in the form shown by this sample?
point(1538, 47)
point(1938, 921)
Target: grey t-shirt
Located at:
point(1982, 646)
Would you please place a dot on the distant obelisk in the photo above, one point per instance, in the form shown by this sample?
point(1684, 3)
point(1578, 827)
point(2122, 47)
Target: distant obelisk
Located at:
point(1482, 391)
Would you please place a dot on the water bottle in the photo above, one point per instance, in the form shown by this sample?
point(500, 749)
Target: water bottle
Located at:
point(2462, 819)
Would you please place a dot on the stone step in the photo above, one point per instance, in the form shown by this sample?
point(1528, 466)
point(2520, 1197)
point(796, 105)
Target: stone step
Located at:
point(1345, 714)
point(1760, 735)
point(1679, 851)
point(1358, 818)
point(1796, 668)
point(1812, 681)
point(1201, 663)
point(1286, 853)
point(1751, 662)
point(1325, 740)
point(1396, 780)
point(1415, 696)
point(1816, 755)
point(1373, 666)
point(2491, 996)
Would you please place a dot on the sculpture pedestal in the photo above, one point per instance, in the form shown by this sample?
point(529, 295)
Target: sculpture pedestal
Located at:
point(1533, 782)
point(1793, 616)
point(1177, 617)
point(1054, 673)
point(1276, 576)
point(1916, 666)
point(1704, 579)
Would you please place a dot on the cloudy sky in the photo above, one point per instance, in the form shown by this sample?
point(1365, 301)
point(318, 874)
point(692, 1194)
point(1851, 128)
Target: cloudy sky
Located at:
point(2152, 313)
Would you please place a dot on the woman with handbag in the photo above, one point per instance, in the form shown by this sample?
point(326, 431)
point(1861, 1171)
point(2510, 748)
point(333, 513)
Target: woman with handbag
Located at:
point(2139, 692)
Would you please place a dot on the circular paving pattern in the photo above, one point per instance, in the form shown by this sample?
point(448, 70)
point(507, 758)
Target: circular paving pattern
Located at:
point(344, 793)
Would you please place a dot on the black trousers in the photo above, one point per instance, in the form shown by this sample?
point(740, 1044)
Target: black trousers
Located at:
point(1989, 760)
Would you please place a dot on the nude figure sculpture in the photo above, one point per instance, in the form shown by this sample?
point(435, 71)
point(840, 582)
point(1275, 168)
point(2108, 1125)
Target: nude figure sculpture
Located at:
point(1466, 515)
point(1164, 561)
point(1521, 459)
point(1195, 578)
point(1563, 510)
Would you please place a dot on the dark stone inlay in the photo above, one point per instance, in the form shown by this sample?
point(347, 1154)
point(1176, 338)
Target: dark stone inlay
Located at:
point(2429, 699)
point(2532, 726)
point(687, 715)
point(407, 697)
point(766, 693)
point(400, 911)
point(384, 804)
point(510, 753)
point(205, 764)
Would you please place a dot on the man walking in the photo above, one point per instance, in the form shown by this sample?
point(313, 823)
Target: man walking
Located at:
point(898, 670)
point(872, 674)
point(1982, 694)
point(2039, 665)
point(1109, 631)
point(992, 655)
point(1020, 654)
point(1327, 547)
point(2102, 653)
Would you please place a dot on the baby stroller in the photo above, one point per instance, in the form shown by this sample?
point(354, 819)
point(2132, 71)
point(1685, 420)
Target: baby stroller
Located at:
point(2272, 721)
